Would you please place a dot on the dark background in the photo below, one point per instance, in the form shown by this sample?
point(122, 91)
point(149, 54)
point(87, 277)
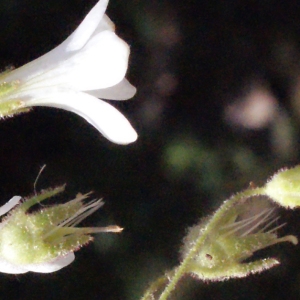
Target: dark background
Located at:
point(202, 69)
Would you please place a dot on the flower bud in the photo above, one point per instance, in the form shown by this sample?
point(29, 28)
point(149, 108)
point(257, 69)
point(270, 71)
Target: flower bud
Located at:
point(284, 187)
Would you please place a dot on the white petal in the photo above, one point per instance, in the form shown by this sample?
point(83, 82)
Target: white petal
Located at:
point(9, 268)
point(85, 30)
point(52, 266)
point(94, 22)
point(9, 205)
point(104, 117)
point(105, 24)
point(100, 64)
point(121, 91)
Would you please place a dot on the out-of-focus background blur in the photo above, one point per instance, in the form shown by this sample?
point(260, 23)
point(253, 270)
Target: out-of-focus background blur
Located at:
point(218, 106)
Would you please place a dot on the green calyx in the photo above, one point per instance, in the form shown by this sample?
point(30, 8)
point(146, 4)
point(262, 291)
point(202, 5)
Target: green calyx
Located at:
point(50, 232)
point(8, 87)
point(9, 107)
point(244, 228)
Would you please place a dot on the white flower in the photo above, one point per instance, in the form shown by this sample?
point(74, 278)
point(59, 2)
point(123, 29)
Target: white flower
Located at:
point(44, 241)
point(90, 63)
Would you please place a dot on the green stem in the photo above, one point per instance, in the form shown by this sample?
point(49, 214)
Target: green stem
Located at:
point(181, 270)
point(154, 288)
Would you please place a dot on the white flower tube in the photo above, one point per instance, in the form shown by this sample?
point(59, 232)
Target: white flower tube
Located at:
point(91, 63)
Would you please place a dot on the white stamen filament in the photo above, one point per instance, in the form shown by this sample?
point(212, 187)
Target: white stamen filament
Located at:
point(260, 222)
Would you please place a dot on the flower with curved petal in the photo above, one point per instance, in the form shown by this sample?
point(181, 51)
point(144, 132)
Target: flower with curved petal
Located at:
point(91, 63)
point(44, 241)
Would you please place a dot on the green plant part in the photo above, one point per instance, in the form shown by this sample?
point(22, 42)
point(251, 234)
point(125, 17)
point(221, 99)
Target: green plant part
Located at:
point(241, 230)
point(284, 187)
point(44, 240)
point(222, 246)
point(9, 108)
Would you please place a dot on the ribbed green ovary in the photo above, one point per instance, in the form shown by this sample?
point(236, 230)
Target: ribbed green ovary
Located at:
point(21, 240)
